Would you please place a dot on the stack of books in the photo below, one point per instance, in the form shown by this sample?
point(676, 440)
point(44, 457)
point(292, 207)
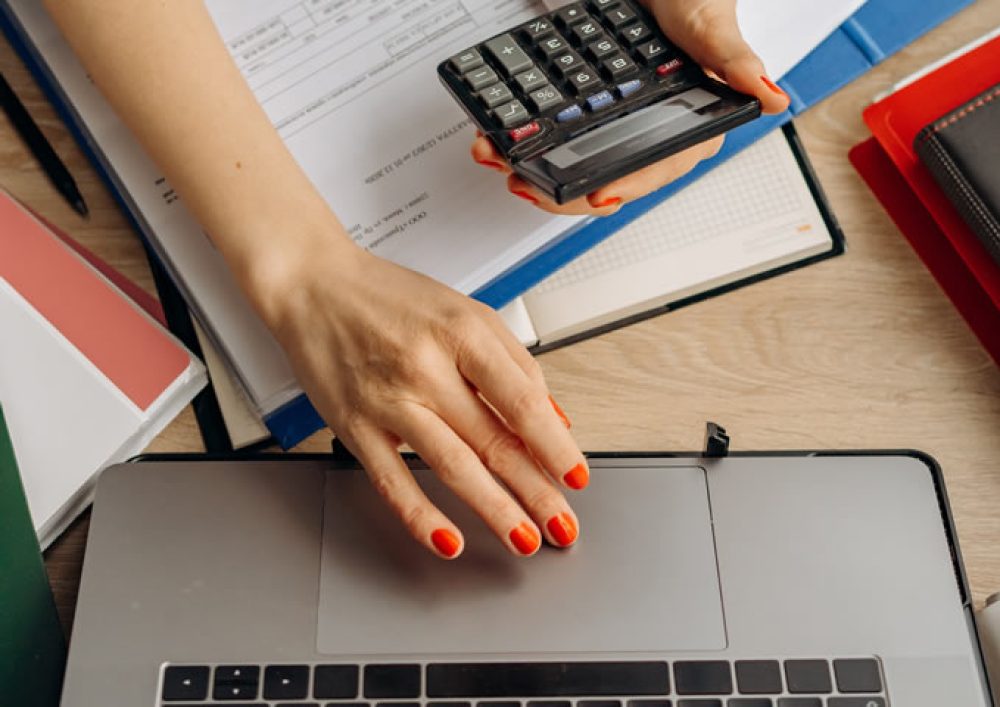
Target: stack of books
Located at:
point(933, 162)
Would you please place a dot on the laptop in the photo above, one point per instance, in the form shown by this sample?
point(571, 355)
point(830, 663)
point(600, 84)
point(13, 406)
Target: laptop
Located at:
point(756, 580)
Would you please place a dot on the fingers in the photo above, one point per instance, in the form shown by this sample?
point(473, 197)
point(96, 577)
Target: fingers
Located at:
point(578, 207)
point(710, 34)
point(378, 454)
point(458, 466)
point(504, 454)
point(525, 405)
point(484, 153)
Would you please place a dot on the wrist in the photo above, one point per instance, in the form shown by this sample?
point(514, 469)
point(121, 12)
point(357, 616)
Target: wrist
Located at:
point(273, 275)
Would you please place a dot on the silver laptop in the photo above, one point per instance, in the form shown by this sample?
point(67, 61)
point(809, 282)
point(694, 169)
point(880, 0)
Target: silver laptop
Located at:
point(749, 581)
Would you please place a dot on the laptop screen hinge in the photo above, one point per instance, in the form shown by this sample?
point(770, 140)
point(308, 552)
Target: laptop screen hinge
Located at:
point(716, 440)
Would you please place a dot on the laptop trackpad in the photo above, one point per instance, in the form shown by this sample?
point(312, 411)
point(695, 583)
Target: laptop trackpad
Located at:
point(642, 577)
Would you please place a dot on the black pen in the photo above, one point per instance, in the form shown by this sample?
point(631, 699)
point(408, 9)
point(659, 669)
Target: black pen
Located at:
point(54, 168)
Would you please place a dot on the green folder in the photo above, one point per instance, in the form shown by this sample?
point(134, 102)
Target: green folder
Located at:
point(32, 644)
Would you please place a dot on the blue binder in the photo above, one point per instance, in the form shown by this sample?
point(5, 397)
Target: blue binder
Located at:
point(879, 29)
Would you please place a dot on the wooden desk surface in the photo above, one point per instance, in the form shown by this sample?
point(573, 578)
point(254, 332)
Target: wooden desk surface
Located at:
point(862, 351)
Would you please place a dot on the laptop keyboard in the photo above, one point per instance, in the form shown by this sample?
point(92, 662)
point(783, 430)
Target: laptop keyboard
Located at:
point(845, 682)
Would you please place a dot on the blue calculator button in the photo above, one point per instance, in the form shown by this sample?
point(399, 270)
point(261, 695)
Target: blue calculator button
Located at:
point(629, 87)
point(600, 100)
point(568, 114)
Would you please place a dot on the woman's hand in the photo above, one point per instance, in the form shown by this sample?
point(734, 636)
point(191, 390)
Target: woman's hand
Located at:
point(389, 356)
point(707, 30)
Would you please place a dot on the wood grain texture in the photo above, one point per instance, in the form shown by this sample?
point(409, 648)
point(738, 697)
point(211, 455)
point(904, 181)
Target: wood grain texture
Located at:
point(862, 351)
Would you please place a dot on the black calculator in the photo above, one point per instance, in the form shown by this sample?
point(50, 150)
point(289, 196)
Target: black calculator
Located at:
point(589, 93)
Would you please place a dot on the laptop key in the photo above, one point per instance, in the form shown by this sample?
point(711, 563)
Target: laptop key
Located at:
point(391, 681)
point(808, 676)
point(348, 704)
point(699, 703)
point(463, 704)
point(185, 682)
point(703, 677)
point(855, 702)
point(750, 702)
point(336, 682)
point(569, 679)
point(397, 704)
point(649, 703)
point(297, 704)
point(800, 702)
point(758, 677)
point(236, 682)
point(857, 675)
point(550, 703)
point(598, 703)
point(286, 682)
point(487, 703)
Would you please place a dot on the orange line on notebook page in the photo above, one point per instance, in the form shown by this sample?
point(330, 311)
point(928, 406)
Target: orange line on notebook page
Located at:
point(135, 354)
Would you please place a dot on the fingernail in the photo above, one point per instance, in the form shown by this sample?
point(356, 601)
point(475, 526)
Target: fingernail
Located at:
point(445, 542)
point(525, 539)
point(560, 413)
point(577, 477)
point(525, 195)
point(491, 164)
point(773, 86)
point(610, 201)
point(563, 529)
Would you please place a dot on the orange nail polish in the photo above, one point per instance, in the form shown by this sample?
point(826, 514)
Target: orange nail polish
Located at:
point(773, 86)
point(525, 539)
point(563, 529)
point(525, 195)
point(577, 477)
point(445, 542)
point(490, 163)
point(611, 201)
point(560, 413)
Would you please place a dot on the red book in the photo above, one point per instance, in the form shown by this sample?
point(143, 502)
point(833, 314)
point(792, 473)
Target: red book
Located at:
point(930, 242)
point(895, 122)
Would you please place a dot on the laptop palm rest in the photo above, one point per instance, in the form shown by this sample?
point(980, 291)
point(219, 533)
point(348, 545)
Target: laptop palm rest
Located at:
point(642, 577)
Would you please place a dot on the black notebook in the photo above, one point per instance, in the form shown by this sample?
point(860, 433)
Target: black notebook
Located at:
point(962, 150)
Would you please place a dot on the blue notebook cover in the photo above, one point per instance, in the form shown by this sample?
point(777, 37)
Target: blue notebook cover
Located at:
point(879, 29)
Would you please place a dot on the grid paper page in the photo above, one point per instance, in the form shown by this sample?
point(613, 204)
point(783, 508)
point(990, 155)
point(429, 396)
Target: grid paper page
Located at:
point(751, 187)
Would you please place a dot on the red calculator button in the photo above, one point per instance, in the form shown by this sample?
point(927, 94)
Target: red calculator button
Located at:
point(670, 67)
point(518, 134)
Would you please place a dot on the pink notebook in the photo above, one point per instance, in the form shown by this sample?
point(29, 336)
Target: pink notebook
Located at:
point(87, 378)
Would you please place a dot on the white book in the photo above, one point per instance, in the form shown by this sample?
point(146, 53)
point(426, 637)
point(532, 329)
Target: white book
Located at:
point(87, 378)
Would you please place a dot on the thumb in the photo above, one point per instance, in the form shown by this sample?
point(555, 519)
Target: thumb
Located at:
point(708, 31)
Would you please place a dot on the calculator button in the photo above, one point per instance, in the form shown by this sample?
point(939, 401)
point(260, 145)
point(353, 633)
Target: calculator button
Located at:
point(586, 31)
point(525, 131)
point(629, 87)
point(601, 5)
point(544, 98)
point(671, 67)
point(567, 63)
point(601, 48)
point(617, 66)
point(584, 80)
point(466, 61)
point(651, 51)
point(539, 28)
point(571, 15)
point(511, 114)
point(620, 16)
point(531, 79)
point(600, 100)
point(568, 114)
point(510, 56)
point(495, 95)
point(552, 46)
point(481, 78)
point(636, 34)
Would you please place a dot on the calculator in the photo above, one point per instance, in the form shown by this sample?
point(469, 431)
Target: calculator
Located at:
point(582, 96)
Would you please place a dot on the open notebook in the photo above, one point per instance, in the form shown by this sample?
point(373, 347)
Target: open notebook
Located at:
point(756, 215)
